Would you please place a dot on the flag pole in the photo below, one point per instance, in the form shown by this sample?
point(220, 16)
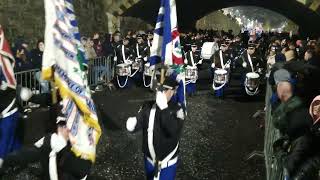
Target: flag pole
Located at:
point(162, 75)
point(54, 96)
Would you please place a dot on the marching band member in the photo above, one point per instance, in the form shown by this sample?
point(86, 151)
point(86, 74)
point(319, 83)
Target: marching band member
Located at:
point(161, 122)
point(220, 60)
point(53, 151)
point(251, 62)
point(124, 52)
point(192, 60)
point(141, 49)
point(124, 56)
point(9, 115)
point(141, 54)
point(149, 38)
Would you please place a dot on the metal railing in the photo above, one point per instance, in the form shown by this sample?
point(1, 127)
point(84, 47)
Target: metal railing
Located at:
point(29, 79)
point(274, 170)
point(100, 71)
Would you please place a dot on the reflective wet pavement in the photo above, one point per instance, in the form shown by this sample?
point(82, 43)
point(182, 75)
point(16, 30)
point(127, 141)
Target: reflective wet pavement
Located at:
point(218, 136)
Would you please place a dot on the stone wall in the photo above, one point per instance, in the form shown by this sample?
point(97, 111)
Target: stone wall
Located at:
point(218, 21)
point(26, 18)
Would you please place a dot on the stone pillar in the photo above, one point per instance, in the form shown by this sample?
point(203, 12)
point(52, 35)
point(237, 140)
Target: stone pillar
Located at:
point(113, 22)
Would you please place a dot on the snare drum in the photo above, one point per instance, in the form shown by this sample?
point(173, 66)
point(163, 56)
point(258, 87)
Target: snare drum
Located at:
point(252, 80)
point(136, 65)
point(221, 76)
point(191, 73)
point(148, 71)
point(123, 69)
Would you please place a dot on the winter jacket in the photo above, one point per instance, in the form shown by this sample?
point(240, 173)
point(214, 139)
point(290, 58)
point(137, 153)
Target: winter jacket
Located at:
point(291, 118)
point(302, 155)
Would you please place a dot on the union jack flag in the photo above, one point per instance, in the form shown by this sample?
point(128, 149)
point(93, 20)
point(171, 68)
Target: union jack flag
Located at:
point(6, 61)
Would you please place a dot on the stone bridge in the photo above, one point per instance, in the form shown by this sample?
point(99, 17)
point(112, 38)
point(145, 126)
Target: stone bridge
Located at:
point(305, 13)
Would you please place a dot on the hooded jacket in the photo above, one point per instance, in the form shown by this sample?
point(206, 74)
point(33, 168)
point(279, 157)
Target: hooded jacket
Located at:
point(303, 159)
point(291, 118)
point(314, 118)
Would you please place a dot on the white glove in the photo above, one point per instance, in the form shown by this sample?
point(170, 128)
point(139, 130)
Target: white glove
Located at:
point(213, 65)
point(3, 86)
point(185, 61)
point(161, 100)
point(145, 59)
point(244, 64)
point(128, 61)
point(131, 123)
point(180, 77)
point(200, 62)
point(39, 143)
point(115, 58)
point(57, 142)
point(227, 66)
point(180, 114)
point(25, 94)
point(268, 75)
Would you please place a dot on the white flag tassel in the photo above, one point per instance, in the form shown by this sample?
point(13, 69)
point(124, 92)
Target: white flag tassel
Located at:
point(64, 61)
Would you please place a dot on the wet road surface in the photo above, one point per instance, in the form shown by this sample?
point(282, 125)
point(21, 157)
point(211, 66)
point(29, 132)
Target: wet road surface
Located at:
point(217, 138)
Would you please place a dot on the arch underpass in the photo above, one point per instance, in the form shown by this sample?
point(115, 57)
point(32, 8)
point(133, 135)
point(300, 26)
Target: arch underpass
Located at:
point(305, 13)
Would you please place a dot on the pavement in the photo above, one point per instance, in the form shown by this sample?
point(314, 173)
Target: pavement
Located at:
point(218, 136)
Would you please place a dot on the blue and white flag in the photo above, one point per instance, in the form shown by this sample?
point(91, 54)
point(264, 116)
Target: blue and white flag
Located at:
point(166, 47)
point(64, 61)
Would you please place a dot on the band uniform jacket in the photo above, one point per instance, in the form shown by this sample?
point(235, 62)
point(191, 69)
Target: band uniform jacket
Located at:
point(167, 129)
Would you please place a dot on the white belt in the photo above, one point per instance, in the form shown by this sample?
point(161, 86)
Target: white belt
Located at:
point(9, 113)
point(165, 165)
point(5, 113)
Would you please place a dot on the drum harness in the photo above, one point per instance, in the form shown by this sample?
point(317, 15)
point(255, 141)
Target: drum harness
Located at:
point(143, 76)
point(144, 79)
point(246, 88)
point(127, 61)
point(223, 67)
point(193, 65)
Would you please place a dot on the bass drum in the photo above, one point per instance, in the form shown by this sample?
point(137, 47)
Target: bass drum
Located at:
point(208, 49)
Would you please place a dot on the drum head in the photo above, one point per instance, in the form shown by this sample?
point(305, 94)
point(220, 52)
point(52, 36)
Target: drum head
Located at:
point(220, 71)
point(122, 65)
point(191, 68)
point(252, 75)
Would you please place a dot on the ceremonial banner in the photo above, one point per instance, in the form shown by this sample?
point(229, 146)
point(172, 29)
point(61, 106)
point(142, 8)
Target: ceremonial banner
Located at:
point(64, 63)
point(166, 48)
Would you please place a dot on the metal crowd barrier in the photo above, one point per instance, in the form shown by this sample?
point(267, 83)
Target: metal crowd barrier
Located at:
point(28, 79)
point(100, 71)
point(274, 170)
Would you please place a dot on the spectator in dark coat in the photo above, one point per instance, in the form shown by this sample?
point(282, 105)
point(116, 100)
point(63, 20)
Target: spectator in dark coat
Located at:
point(290, 117)
point(36, 54)
point(22, 62)
point(97, 45)
point(303, 159)
point(107, 46)
point(36, 59)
